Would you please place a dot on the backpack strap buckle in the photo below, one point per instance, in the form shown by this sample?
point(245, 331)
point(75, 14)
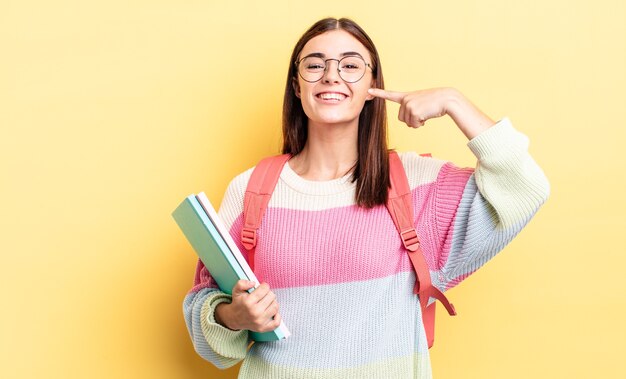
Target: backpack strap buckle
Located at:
point(248, 238)
point(410, 240)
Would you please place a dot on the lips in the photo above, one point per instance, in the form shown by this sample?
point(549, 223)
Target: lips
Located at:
point(331, 96)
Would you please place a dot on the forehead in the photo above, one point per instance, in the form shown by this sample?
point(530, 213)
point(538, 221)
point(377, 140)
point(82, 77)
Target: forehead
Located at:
point(333, 44)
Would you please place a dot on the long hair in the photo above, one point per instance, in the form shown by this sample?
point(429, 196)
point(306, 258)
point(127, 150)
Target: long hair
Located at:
point(371, 171)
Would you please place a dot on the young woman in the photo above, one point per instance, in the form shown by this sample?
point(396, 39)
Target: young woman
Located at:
point(327, 243)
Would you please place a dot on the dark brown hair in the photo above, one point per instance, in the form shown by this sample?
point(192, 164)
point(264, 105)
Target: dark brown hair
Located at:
point(371, 171)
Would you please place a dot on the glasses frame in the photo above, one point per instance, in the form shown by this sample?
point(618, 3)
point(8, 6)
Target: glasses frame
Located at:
point(297, 63)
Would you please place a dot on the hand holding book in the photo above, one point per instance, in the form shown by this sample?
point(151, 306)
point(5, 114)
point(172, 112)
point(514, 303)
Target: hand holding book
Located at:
point(256, 311)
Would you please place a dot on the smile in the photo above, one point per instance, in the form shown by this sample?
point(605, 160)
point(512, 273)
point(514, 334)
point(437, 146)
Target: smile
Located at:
point(331, 96)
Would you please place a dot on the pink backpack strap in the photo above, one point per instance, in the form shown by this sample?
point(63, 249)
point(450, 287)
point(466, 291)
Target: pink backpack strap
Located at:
point(260, 187)
point(400, 206)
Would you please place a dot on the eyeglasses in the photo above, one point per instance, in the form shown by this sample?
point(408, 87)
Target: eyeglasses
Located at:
point(351, 68)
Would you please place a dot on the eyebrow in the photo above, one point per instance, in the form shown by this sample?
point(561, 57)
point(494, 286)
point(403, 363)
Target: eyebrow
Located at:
point(346, 54)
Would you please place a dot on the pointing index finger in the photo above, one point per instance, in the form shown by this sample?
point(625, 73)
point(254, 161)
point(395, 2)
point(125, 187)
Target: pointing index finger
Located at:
point(388, 95)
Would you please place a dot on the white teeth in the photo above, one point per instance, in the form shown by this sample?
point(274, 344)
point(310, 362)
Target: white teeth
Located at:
point(332, 96)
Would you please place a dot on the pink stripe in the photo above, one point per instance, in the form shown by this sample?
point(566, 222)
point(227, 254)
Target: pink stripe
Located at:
point(338, 245)
point(450, 185)
point(203, 278)
point(307, 248)
point(330, 246)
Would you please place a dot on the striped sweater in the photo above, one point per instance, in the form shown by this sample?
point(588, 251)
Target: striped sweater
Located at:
point(342, 278)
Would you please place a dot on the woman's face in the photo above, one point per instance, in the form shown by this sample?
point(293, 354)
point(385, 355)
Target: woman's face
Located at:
point(332, 100)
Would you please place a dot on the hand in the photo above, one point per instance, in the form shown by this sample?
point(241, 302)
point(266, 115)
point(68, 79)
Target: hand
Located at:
point(419, 106)
point(256, 311)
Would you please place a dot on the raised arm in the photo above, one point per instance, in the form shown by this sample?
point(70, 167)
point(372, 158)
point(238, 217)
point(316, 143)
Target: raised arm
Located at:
point(419, 106)
point(477, 212)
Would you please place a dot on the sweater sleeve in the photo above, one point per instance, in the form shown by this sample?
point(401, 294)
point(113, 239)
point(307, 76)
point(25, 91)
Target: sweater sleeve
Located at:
point(215, 343)
point(478, 212)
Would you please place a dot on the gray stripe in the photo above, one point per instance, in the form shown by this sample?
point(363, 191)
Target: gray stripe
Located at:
point(347, 324)
point(477, 237)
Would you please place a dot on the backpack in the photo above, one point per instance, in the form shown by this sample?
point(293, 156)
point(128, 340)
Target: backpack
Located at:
point(399, 204)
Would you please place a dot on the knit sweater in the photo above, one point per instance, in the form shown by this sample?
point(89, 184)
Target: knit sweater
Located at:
point(343, 280)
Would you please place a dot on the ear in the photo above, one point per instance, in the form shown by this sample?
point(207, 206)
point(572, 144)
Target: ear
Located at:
point(370, 97)
point(296, 87)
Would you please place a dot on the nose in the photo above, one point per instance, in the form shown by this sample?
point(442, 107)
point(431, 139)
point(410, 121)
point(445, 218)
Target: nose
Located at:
point(331, 73)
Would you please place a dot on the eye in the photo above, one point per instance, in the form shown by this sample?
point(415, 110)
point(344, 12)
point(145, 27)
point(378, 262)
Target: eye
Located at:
point(313, 64)
point(352, 64)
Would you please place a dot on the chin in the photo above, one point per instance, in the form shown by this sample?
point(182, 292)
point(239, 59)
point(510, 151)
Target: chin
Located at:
point(332, 117)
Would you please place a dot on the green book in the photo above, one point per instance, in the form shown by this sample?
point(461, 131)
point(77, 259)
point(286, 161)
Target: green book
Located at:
point(211, 240)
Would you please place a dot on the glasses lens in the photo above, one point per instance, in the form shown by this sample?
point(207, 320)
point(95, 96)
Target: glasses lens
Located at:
point(351, 69)
point(312, 69)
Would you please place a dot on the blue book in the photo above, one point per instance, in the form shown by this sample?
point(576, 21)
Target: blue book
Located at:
point(211, 240)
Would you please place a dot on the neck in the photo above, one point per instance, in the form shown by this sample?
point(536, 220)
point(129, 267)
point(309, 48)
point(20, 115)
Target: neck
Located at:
point(330, 151)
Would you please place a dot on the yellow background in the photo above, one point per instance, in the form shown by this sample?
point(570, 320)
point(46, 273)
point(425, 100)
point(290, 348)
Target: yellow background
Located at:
point(111, 112)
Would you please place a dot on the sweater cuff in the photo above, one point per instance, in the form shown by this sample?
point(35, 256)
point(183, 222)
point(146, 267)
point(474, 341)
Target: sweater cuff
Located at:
point(225, 342)
point(500, 139)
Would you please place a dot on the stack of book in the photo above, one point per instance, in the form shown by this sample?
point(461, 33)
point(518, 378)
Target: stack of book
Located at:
point(209, 237)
